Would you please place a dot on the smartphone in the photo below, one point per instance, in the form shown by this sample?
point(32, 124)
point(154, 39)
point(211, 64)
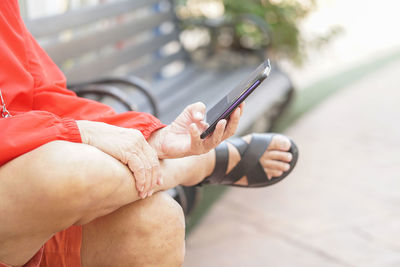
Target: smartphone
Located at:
point(231, 101)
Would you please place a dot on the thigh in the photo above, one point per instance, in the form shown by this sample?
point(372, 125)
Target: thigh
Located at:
point(148, 232)
point(53, 187)
point(26, 219)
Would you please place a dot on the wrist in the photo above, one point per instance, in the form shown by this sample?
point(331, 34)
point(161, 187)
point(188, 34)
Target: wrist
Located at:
point(156, 140)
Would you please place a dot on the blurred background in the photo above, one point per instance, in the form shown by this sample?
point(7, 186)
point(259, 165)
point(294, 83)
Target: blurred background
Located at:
point(340, 206)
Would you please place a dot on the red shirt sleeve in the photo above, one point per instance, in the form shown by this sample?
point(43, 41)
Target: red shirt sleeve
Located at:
point(34, 90)
point(66, 104)
point(27, 131)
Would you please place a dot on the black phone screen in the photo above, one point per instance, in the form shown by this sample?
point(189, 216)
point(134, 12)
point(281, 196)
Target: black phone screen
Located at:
point(228, 103)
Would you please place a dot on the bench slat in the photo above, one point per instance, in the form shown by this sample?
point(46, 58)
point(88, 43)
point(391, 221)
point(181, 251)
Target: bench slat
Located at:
point(153, 67)
point(84, 44)
point(105, 65)
point(54, 24)
point(163, 87)
point(210, 87)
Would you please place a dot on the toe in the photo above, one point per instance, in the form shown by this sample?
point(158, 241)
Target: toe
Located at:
point(279, 142)
point(278, 155)
point(276, 165)
point(271, 173)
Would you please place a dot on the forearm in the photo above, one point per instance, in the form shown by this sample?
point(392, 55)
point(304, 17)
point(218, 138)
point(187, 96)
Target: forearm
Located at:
point(188, 171)
point(119, 187)
point(184, 171)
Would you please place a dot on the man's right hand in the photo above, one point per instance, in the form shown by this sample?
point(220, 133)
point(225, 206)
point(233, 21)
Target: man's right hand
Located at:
point(130, 147)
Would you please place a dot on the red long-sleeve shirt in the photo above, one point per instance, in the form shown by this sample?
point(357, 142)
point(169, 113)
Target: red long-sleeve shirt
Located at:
point(34, 92)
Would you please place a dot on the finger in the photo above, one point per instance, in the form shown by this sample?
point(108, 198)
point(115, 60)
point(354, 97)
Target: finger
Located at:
point(154, 165)
point(151, 193)
point(276, 165)
point(143, 171)
point(197, 110)
point(156, 174)
point(232, 124)
point(135, 164)
point(195, 139)
point(160, 181)
point(147, 169)
point(216, 137)
point(202, 126)
point(241, 106)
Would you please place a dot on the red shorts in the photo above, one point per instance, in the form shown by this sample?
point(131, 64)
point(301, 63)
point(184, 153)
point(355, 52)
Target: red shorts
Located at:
point(62, 250)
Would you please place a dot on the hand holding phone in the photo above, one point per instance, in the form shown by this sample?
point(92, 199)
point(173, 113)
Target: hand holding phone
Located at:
point(230, 102)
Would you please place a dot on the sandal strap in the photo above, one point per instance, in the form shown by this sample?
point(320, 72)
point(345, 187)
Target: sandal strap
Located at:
point(257, 175)
point(221, 165)
point(239, 144)
point(249, 162)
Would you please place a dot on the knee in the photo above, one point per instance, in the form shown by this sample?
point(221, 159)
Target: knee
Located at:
point(159, 220)
point(162, 212)
point(76, 175)
point(172, 219)
point(149, 232)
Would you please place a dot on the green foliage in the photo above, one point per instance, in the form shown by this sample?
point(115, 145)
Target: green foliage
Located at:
point(282, 18)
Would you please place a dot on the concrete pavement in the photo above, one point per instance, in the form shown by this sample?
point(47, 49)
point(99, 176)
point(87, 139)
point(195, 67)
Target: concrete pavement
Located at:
point(340, 206)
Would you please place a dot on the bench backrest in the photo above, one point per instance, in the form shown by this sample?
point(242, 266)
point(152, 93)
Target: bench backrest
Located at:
point(122, 37)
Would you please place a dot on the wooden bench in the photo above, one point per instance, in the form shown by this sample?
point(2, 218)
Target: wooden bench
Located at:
point(104, 49)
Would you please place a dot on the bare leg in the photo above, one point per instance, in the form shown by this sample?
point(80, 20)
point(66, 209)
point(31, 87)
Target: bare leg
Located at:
point(53, 187)
point(69, 184)
point(275, 161)
point(61, 184)
point(148, 232)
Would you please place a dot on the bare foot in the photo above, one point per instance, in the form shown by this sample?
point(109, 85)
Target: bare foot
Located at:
point(275, 159)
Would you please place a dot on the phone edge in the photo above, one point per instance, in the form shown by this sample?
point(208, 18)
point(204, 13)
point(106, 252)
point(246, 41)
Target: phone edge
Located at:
point(260, 79)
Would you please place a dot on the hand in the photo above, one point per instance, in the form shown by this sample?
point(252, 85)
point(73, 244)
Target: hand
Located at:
point(182, 137)
point(130, 147)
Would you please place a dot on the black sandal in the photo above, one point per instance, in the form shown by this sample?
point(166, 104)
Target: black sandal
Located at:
point(249, 164)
